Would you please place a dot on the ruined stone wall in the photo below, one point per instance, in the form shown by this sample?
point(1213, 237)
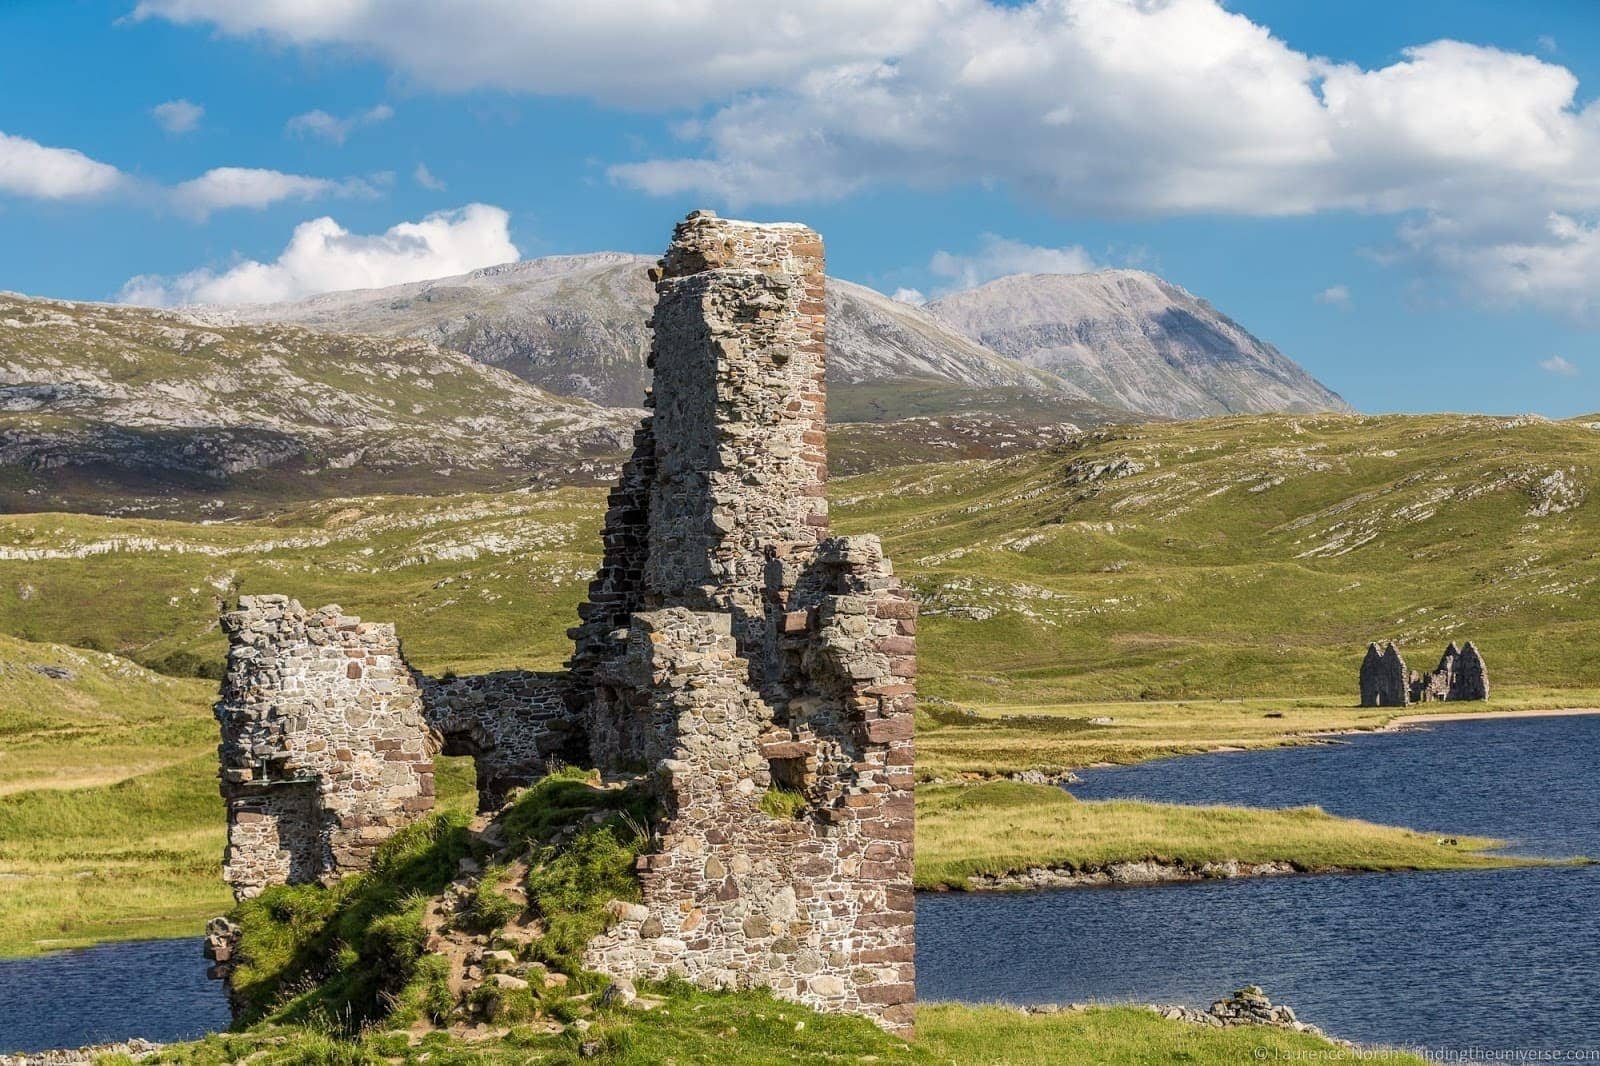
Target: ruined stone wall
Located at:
point(324, 750)
point(513, 723)
point(618, 586)
point(1385, 681)
point(767, 658)
point(817, 907)
point(1471, 681)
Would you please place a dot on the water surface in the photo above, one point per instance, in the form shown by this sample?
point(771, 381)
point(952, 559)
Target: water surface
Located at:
point(1500, 959)
point(155, 989)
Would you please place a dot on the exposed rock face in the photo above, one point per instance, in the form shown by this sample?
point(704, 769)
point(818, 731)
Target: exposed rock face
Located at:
point(324, 750)
point(1133, 341)
point(120, 401)
point(729, 646)
point(1385, 681)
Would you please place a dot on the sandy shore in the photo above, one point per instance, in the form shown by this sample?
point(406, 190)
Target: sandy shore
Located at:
point(1468, 716)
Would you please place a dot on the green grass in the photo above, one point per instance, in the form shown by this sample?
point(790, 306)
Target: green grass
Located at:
point(753, 1029)
point(342, 957)
point(1002, 827)
point(339, 974)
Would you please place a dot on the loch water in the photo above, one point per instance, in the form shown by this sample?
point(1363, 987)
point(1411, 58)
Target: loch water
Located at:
point(1498, 960)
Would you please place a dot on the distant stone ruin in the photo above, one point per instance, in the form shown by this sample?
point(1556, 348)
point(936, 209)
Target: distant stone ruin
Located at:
point(729, 646)
point(1385, 681)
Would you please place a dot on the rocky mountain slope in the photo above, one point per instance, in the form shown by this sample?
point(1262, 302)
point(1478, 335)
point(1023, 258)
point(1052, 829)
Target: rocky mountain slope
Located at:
point(575, 325)
point(1134, 341)
point(146, 408)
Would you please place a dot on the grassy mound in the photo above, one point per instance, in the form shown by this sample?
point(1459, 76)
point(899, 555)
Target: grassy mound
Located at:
point(341, 959)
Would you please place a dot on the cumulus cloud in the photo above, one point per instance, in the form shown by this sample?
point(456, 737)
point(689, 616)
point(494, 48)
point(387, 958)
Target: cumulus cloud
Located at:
point(28, 168)
point(252, 187)
point(1334, 296)
point(1099, 107)
point(914, 297)
point(319, 123)
point(1559, 367)
point(424, 177)
point(323, 256)
point(998, 257)
point(178, 117)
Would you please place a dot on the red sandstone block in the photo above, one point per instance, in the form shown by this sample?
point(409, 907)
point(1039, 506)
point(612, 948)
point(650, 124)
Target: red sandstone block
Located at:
point(796, 621)
point(883, 730)
point(897, 609)
point(888, 993)
point(903, 667)
point(897, 646)
point(898, 953)
point(908, 626)
point(788, 749)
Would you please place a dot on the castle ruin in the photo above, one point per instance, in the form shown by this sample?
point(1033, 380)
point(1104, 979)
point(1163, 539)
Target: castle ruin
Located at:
point(728, 646)
point(1385, 681)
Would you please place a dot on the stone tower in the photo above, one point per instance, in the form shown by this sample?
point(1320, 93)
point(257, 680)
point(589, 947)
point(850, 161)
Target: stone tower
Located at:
point(758, 654)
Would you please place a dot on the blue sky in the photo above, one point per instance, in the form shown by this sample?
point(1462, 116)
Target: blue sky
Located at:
point(1418, 228)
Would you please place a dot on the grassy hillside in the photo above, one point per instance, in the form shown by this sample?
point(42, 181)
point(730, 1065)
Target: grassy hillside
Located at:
point(127, 410)
point(1224, 559)
point(1154, 590)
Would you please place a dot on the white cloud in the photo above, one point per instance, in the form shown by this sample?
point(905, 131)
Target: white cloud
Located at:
point(319, 123)
point(323, 256)
point(225, 187)
point(424, 177)
point(998, 257)
point(1094, 107)
point(1334, 296)
point(1559, 367)
point(178, 117)
point(914, 297)
point(639, 53)
point(28, 168)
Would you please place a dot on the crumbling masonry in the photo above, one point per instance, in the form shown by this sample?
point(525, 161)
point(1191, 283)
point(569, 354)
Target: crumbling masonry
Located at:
point(1385, 681)
point(728, 647)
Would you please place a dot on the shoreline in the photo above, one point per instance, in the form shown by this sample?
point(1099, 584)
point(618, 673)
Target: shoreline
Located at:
point(1403, 720)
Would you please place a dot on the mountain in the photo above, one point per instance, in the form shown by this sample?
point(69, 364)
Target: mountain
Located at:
point(1133, 341)
point(575, 325)
point(107, 406)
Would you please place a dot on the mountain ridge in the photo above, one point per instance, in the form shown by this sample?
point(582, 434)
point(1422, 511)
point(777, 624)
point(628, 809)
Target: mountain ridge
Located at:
point(1132, 339)
point(575, 325)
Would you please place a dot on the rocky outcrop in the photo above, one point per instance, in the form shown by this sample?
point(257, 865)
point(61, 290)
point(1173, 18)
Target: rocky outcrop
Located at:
point(137, 1050)
point(104, 405)
point(1140, 872)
